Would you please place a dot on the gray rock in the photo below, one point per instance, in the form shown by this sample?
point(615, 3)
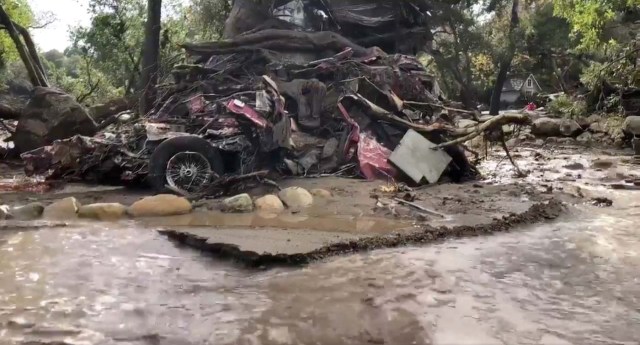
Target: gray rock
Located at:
point(269, 204)
point(51, 115)
point(160, 206)
point(569, 128)
point(28, 212)
point(296, 197)
point(593, 119)
point(546, 127)
point(631, 125)
point(106, 212)
point(238, 204)
point(598, 127)
point(62, 209)
point(585, 138)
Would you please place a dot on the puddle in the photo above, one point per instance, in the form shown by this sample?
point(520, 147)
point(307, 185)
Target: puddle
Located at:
point(350, 224)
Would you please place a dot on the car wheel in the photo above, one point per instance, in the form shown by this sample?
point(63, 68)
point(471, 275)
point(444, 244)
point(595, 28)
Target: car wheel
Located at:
point(187, 164)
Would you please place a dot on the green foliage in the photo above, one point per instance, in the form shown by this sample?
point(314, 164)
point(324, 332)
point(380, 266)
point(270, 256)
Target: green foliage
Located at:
point(567, 107)
point(78, 76)
point(619, 68)
point(21, 13)
point(207, 18)
point(589, 18)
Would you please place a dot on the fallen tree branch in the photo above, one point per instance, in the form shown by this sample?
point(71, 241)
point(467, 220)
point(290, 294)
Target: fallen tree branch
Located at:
point(475, 131)
point(277, 40)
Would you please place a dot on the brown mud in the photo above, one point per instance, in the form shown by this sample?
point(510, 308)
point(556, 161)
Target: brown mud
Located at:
point(536, 213)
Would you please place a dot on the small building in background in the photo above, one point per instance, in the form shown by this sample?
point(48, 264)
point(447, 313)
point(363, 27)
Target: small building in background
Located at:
point(521, 89)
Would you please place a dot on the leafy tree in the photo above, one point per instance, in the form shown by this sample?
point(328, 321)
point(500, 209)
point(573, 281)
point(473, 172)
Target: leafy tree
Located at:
point(590, 19)
point(21, 13)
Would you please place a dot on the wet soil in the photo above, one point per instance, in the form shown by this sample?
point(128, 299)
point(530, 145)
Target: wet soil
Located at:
point(269, 255)
point(567, 280)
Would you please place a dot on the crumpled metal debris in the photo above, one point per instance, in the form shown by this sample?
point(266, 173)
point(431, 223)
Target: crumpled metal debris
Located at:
point(315, 114)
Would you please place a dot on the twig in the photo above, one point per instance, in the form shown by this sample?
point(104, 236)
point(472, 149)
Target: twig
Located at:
point(506, 150)
point(423, 209)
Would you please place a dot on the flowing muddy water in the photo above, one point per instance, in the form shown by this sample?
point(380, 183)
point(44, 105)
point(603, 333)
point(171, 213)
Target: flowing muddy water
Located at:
point(573, 281)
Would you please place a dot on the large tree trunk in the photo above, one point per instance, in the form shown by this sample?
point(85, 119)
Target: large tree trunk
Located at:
point(36, 74)
point(505, 64)
point(151, 56)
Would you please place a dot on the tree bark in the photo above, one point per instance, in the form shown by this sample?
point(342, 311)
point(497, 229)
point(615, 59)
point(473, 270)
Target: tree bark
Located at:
point(33, 53)
point(150, 56)
point(505, 64)
point(35, 77)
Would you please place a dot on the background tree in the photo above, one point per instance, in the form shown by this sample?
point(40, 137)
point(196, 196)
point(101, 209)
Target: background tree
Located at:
point(151, 55)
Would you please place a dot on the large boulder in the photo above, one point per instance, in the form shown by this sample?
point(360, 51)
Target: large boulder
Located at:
point(296, 197)
point(269, 204)
point(106, 211)
point(238, 204)
point(63, 209)
point(160, 206)
point(51, 115)
point(631, 125)
point(546, 127)
point(570, 128)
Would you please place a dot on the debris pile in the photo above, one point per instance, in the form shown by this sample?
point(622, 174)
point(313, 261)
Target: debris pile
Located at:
point(279, 100)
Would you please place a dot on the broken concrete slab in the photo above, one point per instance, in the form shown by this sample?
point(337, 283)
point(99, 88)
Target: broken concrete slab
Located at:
point(270, 241)
point(416, 158)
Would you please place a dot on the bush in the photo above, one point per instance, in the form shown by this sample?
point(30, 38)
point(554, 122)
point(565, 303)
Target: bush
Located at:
point(567, 107)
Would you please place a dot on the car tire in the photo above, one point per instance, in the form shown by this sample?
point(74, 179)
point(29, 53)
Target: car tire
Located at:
point(169, 148)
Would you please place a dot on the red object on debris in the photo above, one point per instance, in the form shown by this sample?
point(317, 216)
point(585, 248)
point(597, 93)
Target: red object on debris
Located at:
point(373, 157)
point(240, 108)
point(531, 106)
point(197, 104)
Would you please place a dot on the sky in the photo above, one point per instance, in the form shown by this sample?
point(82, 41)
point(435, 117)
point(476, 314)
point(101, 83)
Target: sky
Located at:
point(65, 13)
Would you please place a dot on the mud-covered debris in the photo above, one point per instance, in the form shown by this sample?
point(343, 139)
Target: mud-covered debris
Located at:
point(601, 202)
point(416, 157)
point(290, 96)
point(5, 212)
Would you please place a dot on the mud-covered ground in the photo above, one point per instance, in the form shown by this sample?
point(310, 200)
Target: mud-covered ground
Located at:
point(568, 280)
point(365, 215)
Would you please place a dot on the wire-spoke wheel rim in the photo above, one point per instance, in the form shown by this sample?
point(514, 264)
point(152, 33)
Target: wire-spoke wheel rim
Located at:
point(189, 172)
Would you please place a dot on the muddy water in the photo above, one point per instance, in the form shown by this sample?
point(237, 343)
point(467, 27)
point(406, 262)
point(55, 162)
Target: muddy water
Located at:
point(574, 281)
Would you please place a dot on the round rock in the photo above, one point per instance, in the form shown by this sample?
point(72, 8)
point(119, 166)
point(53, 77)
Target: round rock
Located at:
point(106, 211)
point(269, 204)
point(296, 197)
